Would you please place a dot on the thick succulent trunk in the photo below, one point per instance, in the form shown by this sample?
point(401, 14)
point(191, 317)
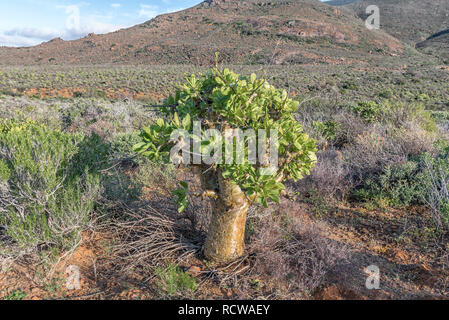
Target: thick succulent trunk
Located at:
point(226, 237)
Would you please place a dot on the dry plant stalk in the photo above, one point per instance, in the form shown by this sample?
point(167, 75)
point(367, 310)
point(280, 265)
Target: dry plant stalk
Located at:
point(149, 237)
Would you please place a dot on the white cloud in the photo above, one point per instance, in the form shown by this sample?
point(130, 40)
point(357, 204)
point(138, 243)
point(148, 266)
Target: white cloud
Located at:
point(148, 11)
point(74, 29)
point(31, 33)
point(77, 25)
point(17, 41)
point(89, 25)
point(20, 37)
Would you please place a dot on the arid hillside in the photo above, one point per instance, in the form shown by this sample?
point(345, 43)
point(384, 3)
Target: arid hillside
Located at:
point(244, 32)
point(339, 2)
point(411, 21)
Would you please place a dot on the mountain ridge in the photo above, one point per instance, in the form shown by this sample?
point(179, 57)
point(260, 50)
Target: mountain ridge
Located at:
point(437, 44)
point(244, 32)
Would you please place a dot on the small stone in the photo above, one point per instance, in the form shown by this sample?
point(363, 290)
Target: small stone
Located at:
point(194, 271)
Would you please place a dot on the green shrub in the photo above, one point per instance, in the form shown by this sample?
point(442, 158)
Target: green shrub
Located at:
point(422, 181)
point(72, 113)
point(174, 282)
point(369, 111)
point(386, 94)
point(423, 97)
point(398, 186)
point(5, 174)
point(131, 172)
point(349, 85)
point(440, 116)
point(156, 174)
point(48, 184)
point(394, 113)
point(82, 113)
point(327, 129)
point(398, 114)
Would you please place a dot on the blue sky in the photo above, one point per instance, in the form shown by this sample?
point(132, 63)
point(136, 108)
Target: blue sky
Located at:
point(30, 22)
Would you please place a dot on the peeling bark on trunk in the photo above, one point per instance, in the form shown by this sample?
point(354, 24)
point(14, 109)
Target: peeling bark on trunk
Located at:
point(226, 237)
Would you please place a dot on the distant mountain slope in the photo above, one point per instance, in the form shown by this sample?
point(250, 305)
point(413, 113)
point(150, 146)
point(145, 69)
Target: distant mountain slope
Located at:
point(339, 2)
point(411, 21)
point(244, 32)
point(437, 44)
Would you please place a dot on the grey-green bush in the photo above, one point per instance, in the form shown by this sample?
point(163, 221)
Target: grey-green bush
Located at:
point(437, 186)
point(47, 190)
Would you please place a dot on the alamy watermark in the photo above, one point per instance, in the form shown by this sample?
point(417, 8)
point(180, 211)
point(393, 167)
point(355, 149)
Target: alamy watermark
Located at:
point(373, 20)
point(214, 147)
point(373, 280)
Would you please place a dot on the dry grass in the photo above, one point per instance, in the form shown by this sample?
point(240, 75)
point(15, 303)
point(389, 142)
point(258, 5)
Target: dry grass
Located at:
point(153, 233)
point(151, 238)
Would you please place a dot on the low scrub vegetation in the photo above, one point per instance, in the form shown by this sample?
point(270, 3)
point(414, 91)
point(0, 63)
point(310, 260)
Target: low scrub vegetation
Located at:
point(72, 171)
point(373, 152)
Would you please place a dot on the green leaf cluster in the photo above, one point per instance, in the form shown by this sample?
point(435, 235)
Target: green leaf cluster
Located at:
point(181, 197)
point(222, 99)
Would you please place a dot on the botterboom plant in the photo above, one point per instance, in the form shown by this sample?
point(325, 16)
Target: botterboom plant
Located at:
point(207, 148)
point(218, 102)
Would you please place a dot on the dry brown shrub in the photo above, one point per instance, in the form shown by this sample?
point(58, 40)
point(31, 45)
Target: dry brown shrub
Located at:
point(381, 146)
point(373, 150)
point(351, 126)
point(297, 255)
point(414, 140)
point(331, 176)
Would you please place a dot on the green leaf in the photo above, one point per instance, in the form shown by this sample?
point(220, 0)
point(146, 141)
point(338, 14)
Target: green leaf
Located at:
point(176, 120)
point(184, 184)
point(139, 146)
point(276, 199)
point(265, 202)
point(147, 132)
point(187, 122)
point(253, 77)
point(181, 209)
